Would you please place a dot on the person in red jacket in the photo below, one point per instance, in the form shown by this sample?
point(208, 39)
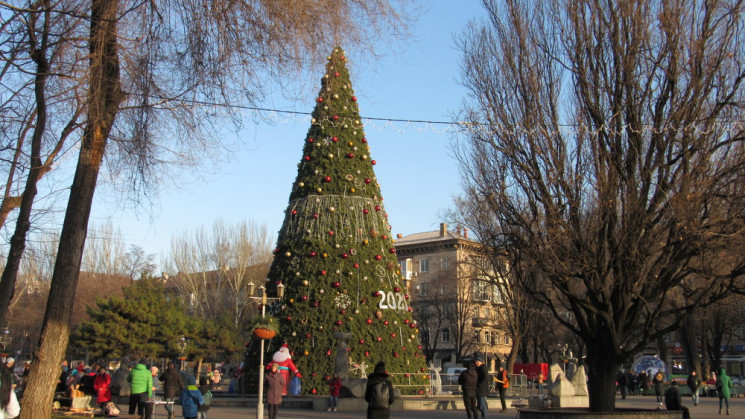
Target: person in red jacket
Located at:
point(102, 386)
point(334, 391)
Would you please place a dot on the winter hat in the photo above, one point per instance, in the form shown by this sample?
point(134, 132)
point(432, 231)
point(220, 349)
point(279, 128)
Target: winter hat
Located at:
point(380, 367)
point(284, 345)
point(10, 360)
point(190, 381)
point(479, 358)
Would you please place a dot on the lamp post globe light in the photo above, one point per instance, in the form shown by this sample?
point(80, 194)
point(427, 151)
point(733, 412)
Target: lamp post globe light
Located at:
point(182, 346)
point(262, 299)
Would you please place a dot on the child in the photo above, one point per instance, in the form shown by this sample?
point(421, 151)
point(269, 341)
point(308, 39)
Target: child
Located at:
point(334, 391)
point(204, 389)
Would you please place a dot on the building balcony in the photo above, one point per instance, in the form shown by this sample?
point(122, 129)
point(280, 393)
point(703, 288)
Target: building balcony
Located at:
point(480, 322)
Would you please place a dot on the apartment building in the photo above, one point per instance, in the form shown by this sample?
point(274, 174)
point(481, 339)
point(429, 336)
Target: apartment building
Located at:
point(455, 307)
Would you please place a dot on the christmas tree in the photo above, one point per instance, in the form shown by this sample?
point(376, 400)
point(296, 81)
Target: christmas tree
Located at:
point(336, 257)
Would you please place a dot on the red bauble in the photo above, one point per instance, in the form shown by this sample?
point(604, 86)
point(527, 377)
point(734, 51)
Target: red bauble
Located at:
point(421, 391)
point(376, 294)
point(412, 325)
point(395, 354)
point(310, 140)
point(397, 289)
point(379, 339)
point(294, 212)
point(374, 162)
point(354, 99)
point(320, 99)
point(308, 336)
point(377, 208)
point(406, 321)
point(331, 232)
point(344, 255)
point(406, 296)
point(419, 347)
point(327, 179)
point(385, 322)
point(307, 158)
point(316, 304)
point(336, 74)
point(356, 265)
point(328, 352)
point(367, 353)
point(312, 254)
point(334, 139)
point(315, 216)
point(323, 272)
point(378, 257)
point(336, 117)
point(276, 250)
point(364, 140)
point(406, 375)
point(304, 298)
point(288, 318)
point(314, 391)
point(369, 321)
point(350, 155)
point(393, 335)
point(392, 250)
point(336, 284)
point(361, 341)
point(365, 211)
point(338, 322)
point(367, 181)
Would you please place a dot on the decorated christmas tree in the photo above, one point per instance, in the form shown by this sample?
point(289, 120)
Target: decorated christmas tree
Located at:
point(335, 255)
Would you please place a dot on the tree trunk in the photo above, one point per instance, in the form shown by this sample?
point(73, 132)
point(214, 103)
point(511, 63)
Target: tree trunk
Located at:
point(603, 364)
point(690, 349)
point(104, 98)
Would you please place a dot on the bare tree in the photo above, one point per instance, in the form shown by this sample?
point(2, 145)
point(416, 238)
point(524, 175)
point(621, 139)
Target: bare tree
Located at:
point(157, 76)
point(603, 146)
point(215, 268)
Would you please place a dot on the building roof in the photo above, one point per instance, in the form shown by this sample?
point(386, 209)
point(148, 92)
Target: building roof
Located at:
point(441, 235)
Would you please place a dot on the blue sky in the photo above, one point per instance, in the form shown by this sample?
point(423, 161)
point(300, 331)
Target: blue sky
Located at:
point(417, 173)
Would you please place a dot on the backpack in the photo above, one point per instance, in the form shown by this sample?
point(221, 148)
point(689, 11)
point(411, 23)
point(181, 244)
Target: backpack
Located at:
point(207, 398)
point(380, 395)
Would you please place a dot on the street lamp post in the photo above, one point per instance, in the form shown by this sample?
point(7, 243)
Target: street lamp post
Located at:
point(262, 299)
point(5, 337)
point(182, 346)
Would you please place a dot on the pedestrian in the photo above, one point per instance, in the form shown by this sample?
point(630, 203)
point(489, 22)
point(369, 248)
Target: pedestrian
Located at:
point(621, 380)
point(658, 381)
point(173, 385)
point(191, 399)
point(379, 393)
point(216, 377)
point(541, 381)
point(673, 401)
point(154, 372)
point(8, 399)
point(468, 381)
point(102, 387)
point(694, 384)
point(723, 384)
point(503, 383)
point(643, 383)
point(482, 388)
point(334, 392)
point(205, 387)
point(275, 383)
point(141, 388)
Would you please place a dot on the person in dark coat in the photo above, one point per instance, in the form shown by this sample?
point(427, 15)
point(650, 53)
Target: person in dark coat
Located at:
point(378, 375)
point(191, 399)
point(503, 383)
point(621, 380)
point(205, 385)
point(482, 387)
point(275, 384)
point(173, 384)
point(694, 384)
point(658, 380)
point(468, 381)
point(673, 401)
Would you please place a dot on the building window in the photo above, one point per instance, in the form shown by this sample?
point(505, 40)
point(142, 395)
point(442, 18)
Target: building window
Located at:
point(424, 336)
point(487, 336)
point(496, 339)
point(506, 340)
point(445, 335)
point(424, 288)
point(423, 265)
point(481, 290)
point(497, 294)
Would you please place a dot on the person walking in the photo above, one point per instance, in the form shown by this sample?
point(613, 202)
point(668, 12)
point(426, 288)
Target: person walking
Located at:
point(173, 385)
point(379, 393)
point(191, 399)
point(723, 384)
point(658, 381)
point(673, 400)
point(8, 400)
point(541, 381)
point(275, 383)
point(694, 384)
point(334, 392)
point(503, 383)
point(205, 387)
point(468, 381)
point(621, 380)
point(482, 387)
point(141, 388)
